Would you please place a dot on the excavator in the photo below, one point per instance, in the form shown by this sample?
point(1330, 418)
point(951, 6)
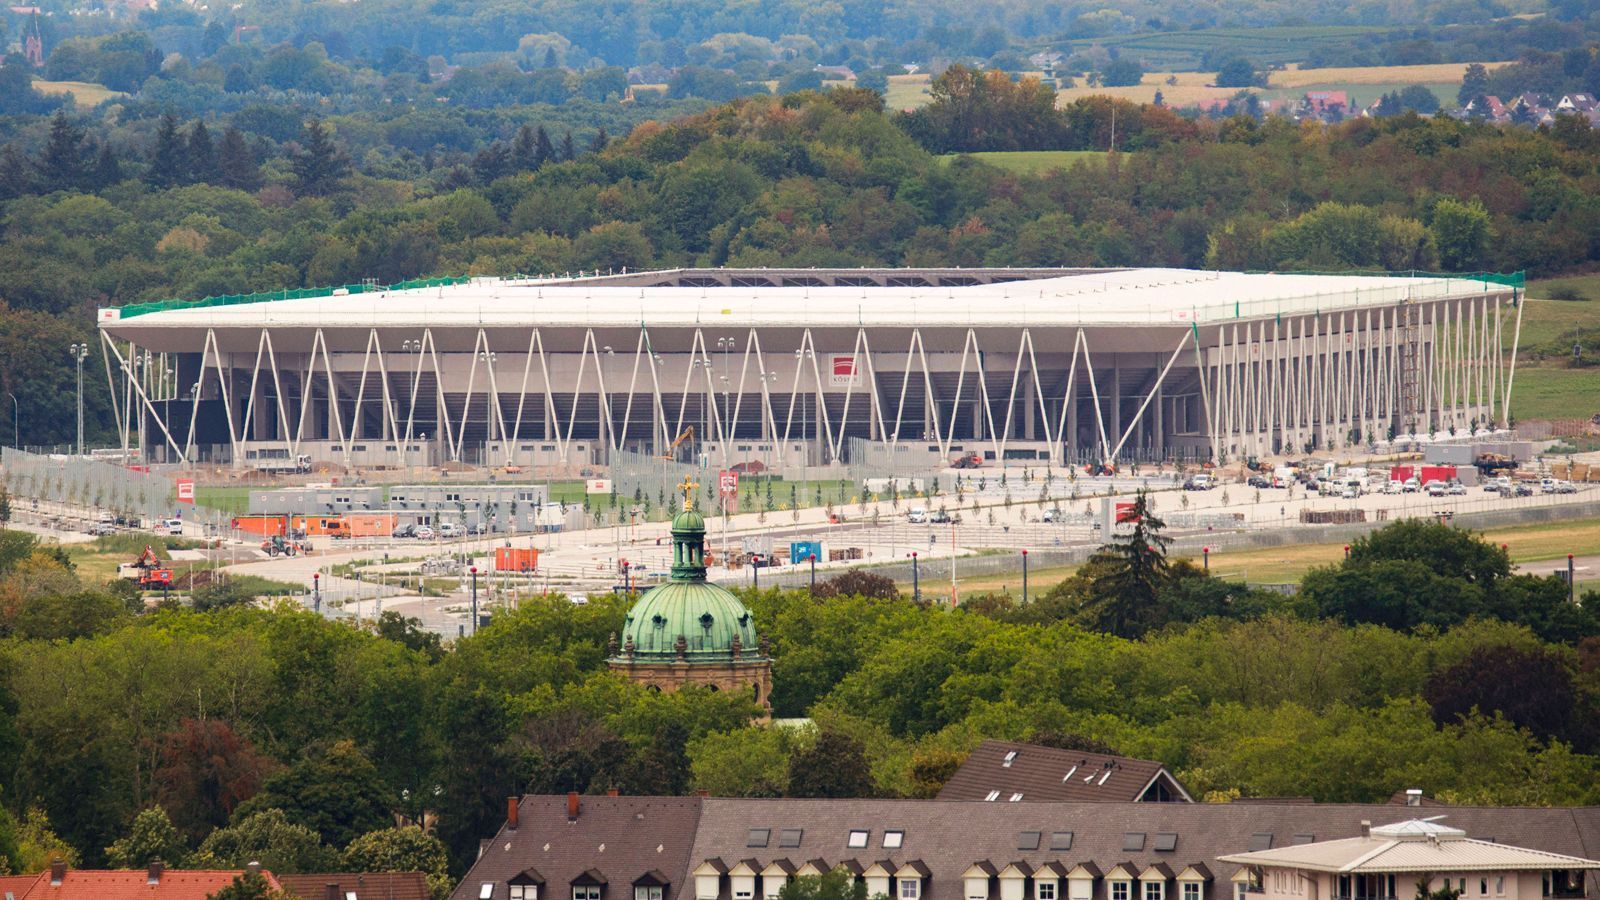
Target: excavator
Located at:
point(672, 451)
point(147, 571)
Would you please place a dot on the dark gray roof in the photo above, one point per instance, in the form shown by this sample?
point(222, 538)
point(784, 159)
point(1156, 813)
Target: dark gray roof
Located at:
point(618, 839)
point(946, 837)
point(1048, 774)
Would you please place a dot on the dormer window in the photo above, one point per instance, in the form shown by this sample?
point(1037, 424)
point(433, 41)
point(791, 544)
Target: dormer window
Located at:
point(586, 892)
point(910, 889)
point(1119, 890)
point(523, 892)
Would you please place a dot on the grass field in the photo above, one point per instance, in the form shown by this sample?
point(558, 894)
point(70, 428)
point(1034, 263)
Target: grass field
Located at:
point(1032, 162)
point(1184, 49)
point(1285, 565)
point(1545, 387)
point(86, 94)
point(906, 91)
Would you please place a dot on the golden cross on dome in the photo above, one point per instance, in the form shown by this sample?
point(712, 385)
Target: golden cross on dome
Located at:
point(689, 486)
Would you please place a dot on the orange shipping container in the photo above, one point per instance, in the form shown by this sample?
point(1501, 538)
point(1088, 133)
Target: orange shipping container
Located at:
point(329, 525)
point(512, 559)
point(371, 524)
point(265, 526)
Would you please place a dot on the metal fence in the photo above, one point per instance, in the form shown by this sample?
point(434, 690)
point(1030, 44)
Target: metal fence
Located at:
point(77, 483)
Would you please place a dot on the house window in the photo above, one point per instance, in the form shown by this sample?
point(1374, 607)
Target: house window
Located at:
point(1483, 886)
point(1044, 890)
point(1191, 890)
point(993, 795)
point(758, 837)
point(485, 891)
point(1028, 840)
point(1119, 890)
point(858, 838)
point(744, 888)
point(893, 839)
point(1010, 758)
point(790, 837)
point(1060, 840)
point(1153, 890)
point(524, 892)
point(1500, 885)
point(910, 889)
point(586, 892)
point(1017, 796)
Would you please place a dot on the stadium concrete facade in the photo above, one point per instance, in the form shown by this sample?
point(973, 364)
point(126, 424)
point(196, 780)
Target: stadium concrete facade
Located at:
point(912, 367)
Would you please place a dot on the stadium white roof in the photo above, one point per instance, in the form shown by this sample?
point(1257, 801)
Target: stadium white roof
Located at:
point(1072, 297)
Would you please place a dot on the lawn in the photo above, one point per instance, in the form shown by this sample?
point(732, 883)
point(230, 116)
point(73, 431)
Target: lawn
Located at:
point(1545, 387)
point(1548, 392)
point(1283, 565)
point(907, 92)
point(1033, 162)
point(85, 94)
point(1184, 49)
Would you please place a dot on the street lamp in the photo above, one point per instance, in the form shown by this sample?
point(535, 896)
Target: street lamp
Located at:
point(916, 582)
point(490, 413)
point(16, 418)
point(80, 352)
point(1024, 577)
point(805, 420)
point(316, 592)
point(474, 571)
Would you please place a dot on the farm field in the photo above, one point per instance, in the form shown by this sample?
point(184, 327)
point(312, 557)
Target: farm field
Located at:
point(1033, 162)
point(1266, 46)
point(86, 94)
point(1194, 88)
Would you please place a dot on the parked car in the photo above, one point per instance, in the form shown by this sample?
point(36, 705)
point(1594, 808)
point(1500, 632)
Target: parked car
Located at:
point(478, 528)
point(1435, 489)
point(173, 526)
point(940, 518)
point(1349, 492)
point(404, 531)
point(449, 530)
point(917, 516)
point(1456, 489)
point(1411, 485)
point(100, 528)
point(1520, 489)
point(425, 533)
point(1393, 487)
point(1259, 481)
point(1051, 515)
point(1563, 487)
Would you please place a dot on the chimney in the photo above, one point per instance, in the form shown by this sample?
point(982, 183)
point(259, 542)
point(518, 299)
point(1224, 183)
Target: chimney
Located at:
point(572, 806)
point(612, 792)
point(254, 868)
point(1413, 796)
point(156, 868)
point(58, 870)
point(511, 813)
point(1366, 828)
point(702, 793)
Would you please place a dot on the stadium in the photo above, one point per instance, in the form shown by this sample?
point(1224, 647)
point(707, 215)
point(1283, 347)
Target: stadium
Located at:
point(902, 368)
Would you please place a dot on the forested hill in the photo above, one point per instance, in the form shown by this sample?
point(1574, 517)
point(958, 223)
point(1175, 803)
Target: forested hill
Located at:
point(807, 179)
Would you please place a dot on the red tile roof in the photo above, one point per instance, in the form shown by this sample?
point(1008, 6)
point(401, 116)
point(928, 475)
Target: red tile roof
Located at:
point(127, 884)
point(365, 885)
point(1009, 769)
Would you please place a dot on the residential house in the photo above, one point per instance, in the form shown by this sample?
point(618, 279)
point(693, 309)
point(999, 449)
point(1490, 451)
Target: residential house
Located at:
point(1578, 103)
point(702, 848)
point(156, 882)
point(1004, 771)
point(358, 886)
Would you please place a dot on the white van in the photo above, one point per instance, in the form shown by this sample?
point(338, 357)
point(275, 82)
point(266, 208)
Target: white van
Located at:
point(173, 526)
point(449, 530)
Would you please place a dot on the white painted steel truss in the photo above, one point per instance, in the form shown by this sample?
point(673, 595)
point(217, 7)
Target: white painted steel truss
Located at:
point(1249, 387)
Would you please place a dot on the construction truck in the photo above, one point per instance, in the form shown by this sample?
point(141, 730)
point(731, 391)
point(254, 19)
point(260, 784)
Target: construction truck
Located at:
point(672, 451)
point(148, 571)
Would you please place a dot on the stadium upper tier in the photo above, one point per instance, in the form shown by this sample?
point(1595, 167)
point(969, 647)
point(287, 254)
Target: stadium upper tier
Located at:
point(873, 298)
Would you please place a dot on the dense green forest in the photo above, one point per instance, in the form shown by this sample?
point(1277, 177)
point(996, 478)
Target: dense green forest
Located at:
point(225, 733)
point(105, 214)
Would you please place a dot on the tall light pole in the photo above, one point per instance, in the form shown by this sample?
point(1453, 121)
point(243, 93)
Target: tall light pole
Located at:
point(16, 419)
point(805, 421)
point(409, 347)
point(491, 411)
point(725, 344)
point(80, 352)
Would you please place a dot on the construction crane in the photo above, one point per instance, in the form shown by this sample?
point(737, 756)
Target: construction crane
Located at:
point(672, 451)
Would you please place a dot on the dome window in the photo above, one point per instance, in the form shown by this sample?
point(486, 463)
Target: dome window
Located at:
point(658, 620)
point(706, 621)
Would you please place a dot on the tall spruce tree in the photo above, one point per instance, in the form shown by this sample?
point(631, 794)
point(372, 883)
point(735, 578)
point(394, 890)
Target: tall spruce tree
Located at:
point(543, 150)
point(169, 159)
point(16, 173)
point(236, 163)
point(62, 166)
point(523, 149)
point(318, 164)
point(107, 168)
point(601, 139)
point(569, 150)
point(202, 154)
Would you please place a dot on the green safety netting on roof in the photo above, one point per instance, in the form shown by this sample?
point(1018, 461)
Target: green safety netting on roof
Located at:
point(1507, 279)
point(139, 309)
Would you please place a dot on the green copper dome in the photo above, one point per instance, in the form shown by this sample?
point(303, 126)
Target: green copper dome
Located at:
point(711, 622)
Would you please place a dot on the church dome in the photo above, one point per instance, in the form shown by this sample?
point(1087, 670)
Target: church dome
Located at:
point(688, 618)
